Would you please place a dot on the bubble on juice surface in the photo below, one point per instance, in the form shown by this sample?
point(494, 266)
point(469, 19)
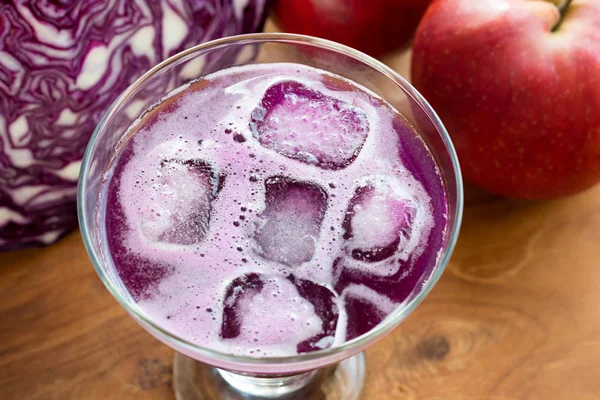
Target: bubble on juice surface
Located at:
point(178, 205)
point(288, 228)
point(304, 124)
point(378, 220)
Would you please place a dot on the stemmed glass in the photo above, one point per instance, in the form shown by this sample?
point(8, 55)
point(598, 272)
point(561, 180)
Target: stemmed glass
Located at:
point(202, 373)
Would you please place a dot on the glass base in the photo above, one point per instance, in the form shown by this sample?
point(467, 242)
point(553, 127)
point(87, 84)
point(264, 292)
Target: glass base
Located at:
point(196, 381)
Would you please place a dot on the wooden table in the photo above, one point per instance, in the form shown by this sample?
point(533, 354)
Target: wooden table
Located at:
point(515, 316)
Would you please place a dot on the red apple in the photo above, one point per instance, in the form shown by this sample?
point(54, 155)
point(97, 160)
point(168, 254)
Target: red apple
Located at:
point(518, 87)
point(372, 26)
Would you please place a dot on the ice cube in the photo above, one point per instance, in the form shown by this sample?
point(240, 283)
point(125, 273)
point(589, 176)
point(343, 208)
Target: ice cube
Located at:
point(376, 222)
point(180, 204)
point(323, 301)
point(304, 124)
point(274, 312)
point(244, 286)
point(139, 275)
point(289, 226)
point(362, 316)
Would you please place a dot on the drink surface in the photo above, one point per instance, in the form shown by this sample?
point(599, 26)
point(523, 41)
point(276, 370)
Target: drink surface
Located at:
point(273, 209)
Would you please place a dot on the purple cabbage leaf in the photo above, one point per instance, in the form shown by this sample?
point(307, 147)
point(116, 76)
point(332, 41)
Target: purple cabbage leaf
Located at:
point(62, 63)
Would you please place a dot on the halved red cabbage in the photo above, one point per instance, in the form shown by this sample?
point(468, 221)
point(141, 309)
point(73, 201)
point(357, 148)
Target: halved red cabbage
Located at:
point(62, 63)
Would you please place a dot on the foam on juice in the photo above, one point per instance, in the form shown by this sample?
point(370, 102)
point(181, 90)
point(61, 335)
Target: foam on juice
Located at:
point(272, 209)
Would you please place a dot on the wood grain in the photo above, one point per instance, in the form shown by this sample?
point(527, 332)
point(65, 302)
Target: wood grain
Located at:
point(515, 316)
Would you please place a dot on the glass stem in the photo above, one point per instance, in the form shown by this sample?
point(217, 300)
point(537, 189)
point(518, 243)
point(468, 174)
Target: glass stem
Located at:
point(268, 386)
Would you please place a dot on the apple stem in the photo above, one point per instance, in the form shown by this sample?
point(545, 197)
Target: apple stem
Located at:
point(563, 7)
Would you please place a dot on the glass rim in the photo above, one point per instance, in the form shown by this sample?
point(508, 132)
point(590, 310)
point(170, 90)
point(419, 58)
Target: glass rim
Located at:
point(356, 344)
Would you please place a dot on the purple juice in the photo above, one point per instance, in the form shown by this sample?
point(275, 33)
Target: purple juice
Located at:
point(273, 209)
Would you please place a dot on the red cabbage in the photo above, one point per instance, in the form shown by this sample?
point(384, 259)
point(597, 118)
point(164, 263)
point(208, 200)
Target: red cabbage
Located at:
point(62, 63)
